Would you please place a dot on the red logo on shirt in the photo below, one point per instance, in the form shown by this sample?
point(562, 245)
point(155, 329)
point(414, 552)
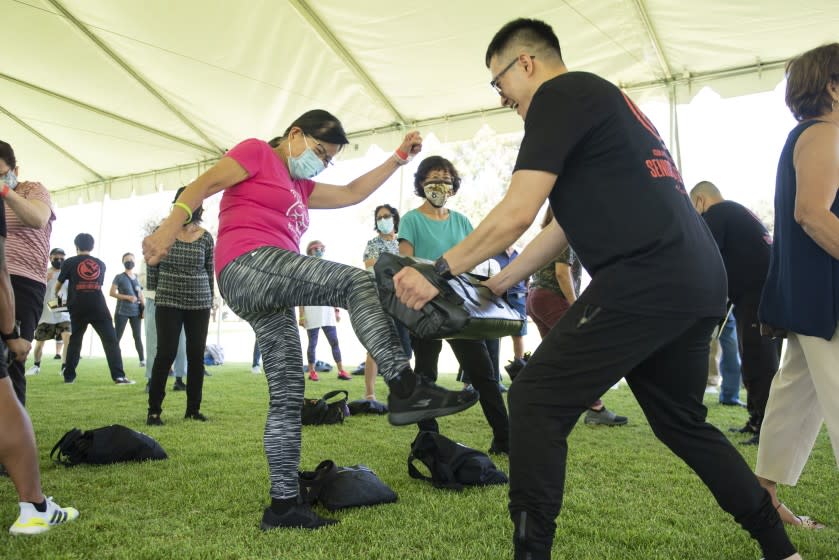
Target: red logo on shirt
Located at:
point(88, 270)
point(660, 164)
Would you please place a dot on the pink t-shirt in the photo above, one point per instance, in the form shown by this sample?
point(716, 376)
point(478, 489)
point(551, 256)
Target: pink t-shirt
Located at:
point(268, 209)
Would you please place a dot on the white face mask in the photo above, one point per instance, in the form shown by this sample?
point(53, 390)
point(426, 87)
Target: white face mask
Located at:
point(10, 179)
point(385, 225)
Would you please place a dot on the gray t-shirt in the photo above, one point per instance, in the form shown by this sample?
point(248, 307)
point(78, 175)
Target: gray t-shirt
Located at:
point(128, 287)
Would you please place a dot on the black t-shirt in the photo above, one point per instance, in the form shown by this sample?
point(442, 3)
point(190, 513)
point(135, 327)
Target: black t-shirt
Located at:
point(621, 201)
point(84, 293)
point(3, 230)
point(745, 246)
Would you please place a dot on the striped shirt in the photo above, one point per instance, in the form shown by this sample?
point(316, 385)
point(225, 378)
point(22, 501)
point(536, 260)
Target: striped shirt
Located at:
point(27, 248)
point(184, 278)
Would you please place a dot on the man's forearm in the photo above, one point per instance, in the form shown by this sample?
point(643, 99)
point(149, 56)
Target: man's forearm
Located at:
point(33, 213)
point(493, 235)
point(543, 249)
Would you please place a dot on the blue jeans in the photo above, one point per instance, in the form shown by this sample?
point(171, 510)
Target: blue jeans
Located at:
point(151, 343)
point(729, 363)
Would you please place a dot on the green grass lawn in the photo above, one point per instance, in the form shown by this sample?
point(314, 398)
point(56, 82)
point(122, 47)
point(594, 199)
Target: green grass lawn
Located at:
point(627, 497)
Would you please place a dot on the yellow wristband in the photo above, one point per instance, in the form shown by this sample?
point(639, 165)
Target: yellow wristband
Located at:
point(186, 209)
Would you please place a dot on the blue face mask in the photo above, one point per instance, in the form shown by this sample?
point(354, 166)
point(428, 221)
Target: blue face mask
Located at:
point(317, 253)
point(306, 165)
point(10, 179)
point(385, 225)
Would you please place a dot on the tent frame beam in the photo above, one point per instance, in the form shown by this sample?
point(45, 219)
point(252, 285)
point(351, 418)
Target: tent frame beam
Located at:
point(307, 13)
point(134, 74)
point(52, 144)
point(641, 8)
point(108, 114)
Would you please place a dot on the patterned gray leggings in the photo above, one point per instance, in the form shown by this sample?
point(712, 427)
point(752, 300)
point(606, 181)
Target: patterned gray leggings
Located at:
point(263, 287)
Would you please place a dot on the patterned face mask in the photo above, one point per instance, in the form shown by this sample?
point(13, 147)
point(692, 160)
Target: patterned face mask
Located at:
point(437, 193)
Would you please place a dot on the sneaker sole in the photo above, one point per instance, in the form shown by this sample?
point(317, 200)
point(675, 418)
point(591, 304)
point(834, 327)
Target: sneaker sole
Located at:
point(609, 424)
point(414, 416)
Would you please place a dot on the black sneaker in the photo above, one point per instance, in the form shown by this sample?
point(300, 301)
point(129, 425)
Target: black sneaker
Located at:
point(428, 400)
point(195, 416)
point(515, 366)
point(299, 516)
point(754, 440)
point(179, 385)
point(747, 429)
point(154, 420)
point(499, 447)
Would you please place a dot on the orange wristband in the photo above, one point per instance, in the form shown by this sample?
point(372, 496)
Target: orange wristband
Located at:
point(4, 192)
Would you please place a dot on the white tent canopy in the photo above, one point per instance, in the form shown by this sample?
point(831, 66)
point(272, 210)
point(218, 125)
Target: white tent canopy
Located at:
point(124, 97)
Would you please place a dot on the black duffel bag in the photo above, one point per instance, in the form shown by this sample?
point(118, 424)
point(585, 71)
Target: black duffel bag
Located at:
point(320, 411)
point(103, 446)
point(451, 465)
point(343, 487)
point(464, 308)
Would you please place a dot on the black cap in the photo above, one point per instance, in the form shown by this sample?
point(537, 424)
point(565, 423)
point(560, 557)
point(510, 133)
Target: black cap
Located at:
point(57, 251)
point(7, 154)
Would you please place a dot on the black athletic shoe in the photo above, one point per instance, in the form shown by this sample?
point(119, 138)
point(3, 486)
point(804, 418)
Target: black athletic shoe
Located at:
point(179, 385)
point(754, 440)
point(428, 400)
point(154, 420)
point(747, 429)
point(299, 516)
point(499, 447)
point(195, 416)
point(514, 367)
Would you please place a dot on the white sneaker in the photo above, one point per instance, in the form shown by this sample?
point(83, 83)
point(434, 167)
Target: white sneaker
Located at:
point(256, 369)
point(32, 522)
point(34, 370)
point(711, 390)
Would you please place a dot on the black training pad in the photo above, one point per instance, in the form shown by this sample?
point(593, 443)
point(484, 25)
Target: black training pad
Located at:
point(463, 309)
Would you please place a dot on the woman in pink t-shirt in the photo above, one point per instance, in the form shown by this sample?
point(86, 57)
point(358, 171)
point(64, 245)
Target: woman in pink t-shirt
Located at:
point(264, 211)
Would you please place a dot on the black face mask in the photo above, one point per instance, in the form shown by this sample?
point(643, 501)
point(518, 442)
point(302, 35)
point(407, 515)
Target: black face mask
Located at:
point(128, 265)
point(56, 263)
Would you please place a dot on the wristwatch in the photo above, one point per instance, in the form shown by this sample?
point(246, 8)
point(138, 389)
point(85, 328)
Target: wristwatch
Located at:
point(441, 267)
point(12, 335)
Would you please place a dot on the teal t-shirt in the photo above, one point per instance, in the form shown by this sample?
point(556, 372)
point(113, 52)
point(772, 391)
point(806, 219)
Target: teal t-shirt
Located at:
point(432, 238)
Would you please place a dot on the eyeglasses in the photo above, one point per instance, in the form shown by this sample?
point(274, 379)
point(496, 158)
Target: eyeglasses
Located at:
point(321, 152)
point(494, 82)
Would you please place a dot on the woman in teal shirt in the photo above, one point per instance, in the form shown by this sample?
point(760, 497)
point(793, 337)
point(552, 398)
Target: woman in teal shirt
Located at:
point(427, 232)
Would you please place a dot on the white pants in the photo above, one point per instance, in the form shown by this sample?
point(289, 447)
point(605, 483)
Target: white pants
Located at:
point(804, 393)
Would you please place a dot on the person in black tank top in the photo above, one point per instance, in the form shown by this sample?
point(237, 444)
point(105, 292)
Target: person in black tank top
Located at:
point(801, 297)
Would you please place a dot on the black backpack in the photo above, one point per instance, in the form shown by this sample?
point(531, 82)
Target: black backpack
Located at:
point(320, 411)
point(452, 465)
point(343, 487)
point(103, 446)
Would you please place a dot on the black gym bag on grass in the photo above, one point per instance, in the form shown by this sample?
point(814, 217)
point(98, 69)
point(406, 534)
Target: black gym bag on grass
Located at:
point(343, 487)
point(464, 308)
point(103, 446)
point(321, 411)
point(452, 465)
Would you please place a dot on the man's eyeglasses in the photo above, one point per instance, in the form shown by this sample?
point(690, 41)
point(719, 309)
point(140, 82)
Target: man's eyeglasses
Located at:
point(494, 82)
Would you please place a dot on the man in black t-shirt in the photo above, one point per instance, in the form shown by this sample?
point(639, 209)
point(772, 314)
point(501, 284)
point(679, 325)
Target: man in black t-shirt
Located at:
point(745, 246)
point(86, 305)
point(658, 286)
